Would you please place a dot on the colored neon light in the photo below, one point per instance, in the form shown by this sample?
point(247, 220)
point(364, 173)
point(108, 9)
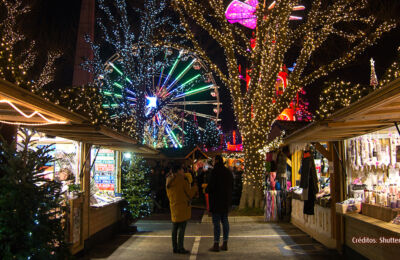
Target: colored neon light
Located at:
point(115, 68)
point(172, 69)
point(181, 74)
point(195, 91)
point(108, 106)
point(170, 137)
point(244, 12)
point(118, 85)
point(176, 139)
point(48, 121)
point(184, 84)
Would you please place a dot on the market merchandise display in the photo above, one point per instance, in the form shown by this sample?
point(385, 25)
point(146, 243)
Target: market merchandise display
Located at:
point(373, 165)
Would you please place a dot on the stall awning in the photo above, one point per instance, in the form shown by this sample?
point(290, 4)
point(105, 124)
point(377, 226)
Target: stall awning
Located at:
point(18, 105)
point(378, 110)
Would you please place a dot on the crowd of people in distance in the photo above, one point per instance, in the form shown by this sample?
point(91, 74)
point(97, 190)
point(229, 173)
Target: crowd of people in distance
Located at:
point(159, 175)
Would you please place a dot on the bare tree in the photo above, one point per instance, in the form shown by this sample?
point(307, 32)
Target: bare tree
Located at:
point(277, 38)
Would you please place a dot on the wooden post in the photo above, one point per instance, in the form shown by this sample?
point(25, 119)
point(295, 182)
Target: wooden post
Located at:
point(336, 179)
point(85, 180)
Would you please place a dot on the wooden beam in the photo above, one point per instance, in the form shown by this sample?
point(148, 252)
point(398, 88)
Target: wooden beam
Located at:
point(320, 148)
point(356, 124)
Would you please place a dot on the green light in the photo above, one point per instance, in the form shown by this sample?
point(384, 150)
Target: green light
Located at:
point(118, 85)
point(176, 139)
point(191, 80)
point(116, 69)
point(173, 68)
point(181, 74)
point(107, 93)
point(108, 106)
point(197, 90)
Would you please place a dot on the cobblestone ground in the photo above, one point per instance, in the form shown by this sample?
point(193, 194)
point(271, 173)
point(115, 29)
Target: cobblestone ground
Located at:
point(247, 241)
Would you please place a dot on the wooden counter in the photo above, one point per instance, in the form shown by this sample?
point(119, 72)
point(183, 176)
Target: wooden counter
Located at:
point(317, 226)
point(102, 217)
point(360, 226)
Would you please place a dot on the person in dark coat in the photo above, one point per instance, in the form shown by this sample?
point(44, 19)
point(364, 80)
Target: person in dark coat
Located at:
point(220, 188)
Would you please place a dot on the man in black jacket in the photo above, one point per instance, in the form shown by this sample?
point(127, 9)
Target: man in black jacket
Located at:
point(220, 193)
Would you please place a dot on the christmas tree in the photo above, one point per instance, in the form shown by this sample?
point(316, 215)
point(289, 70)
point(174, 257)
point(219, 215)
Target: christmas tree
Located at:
point(31, 206)
point(212, 136)
point(193, 136)
point(136, 187)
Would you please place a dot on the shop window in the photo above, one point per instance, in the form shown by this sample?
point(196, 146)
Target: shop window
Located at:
point(65, 166)
point(104, 184)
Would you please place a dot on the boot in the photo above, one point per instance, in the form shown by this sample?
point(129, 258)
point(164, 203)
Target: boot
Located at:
point(215, 248)
point(224, 246)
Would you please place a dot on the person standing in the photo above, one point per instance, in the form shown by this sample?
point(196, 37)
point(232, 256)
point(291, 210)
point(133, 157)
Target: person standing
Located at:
point(179, 193)
point(220, 188)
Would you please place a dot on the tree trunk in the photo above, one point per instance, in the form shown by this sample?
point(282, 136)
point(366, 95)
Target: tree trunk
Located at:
point(253, 177)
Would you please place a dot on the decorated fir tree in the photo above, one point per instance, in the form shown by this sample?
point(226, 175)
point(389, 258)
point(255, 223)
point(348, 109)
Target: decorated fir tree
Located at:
point(212, 136)
point(31, 206)
point(136, 187)
point(193, 135)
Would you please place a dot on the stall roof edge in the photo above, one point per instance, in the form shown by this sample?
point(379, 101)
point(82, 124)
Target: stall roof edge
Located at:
point(378, 110)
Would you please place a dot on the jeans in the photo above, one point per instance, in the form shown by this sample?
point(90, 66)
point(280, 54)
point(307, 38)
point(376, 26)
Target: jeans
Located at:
point(178, 234)
point(223, 218)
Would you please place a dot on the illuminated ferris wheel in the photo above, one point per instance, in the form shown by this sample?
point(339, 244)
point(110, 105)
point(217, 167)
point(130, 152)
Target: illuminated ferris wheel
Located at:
point(182, 91)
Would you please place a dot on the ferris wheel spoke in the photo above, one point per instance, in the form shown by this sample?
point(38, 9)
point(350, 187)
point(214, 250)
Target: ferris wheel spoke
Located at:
point(198, 114)
point(172, 69)
point(172, 122)
point(181, 87)
point(205, 102)
point(180, 75)
point(194, 91)
point(120, 72)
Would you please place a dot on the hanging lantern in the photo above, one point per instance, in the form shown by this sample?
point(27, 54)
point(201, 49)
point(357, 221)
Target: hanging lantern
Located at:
point(213, 94)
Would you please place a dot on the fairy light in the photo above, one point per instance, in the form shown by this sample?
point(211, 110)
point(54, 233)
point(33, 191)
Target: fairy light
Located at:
point(256, 109)
point(338, 94)
point(16, 65)
point(35, 113)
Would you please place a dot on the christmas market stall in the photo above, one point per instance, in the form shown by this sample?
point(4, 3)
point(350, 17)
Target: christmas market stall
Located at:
point(362, 144)
point(87, 160)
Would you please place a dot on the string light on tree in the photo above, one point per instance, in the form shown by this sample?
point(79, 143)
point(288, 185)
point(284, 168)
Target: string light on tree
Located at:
point(254, 109)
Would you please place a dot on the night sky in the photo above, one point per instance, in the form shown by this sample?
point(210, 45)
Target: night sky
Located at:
point(53, 24)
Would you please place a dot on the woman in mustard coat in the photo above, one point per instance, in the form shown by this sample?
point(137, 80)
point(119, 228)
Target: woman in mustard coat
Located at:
point(179, 194)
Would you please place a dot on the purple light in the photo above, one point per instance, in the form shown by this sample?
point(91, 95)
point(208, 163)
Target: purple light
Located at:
point(243, 13)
